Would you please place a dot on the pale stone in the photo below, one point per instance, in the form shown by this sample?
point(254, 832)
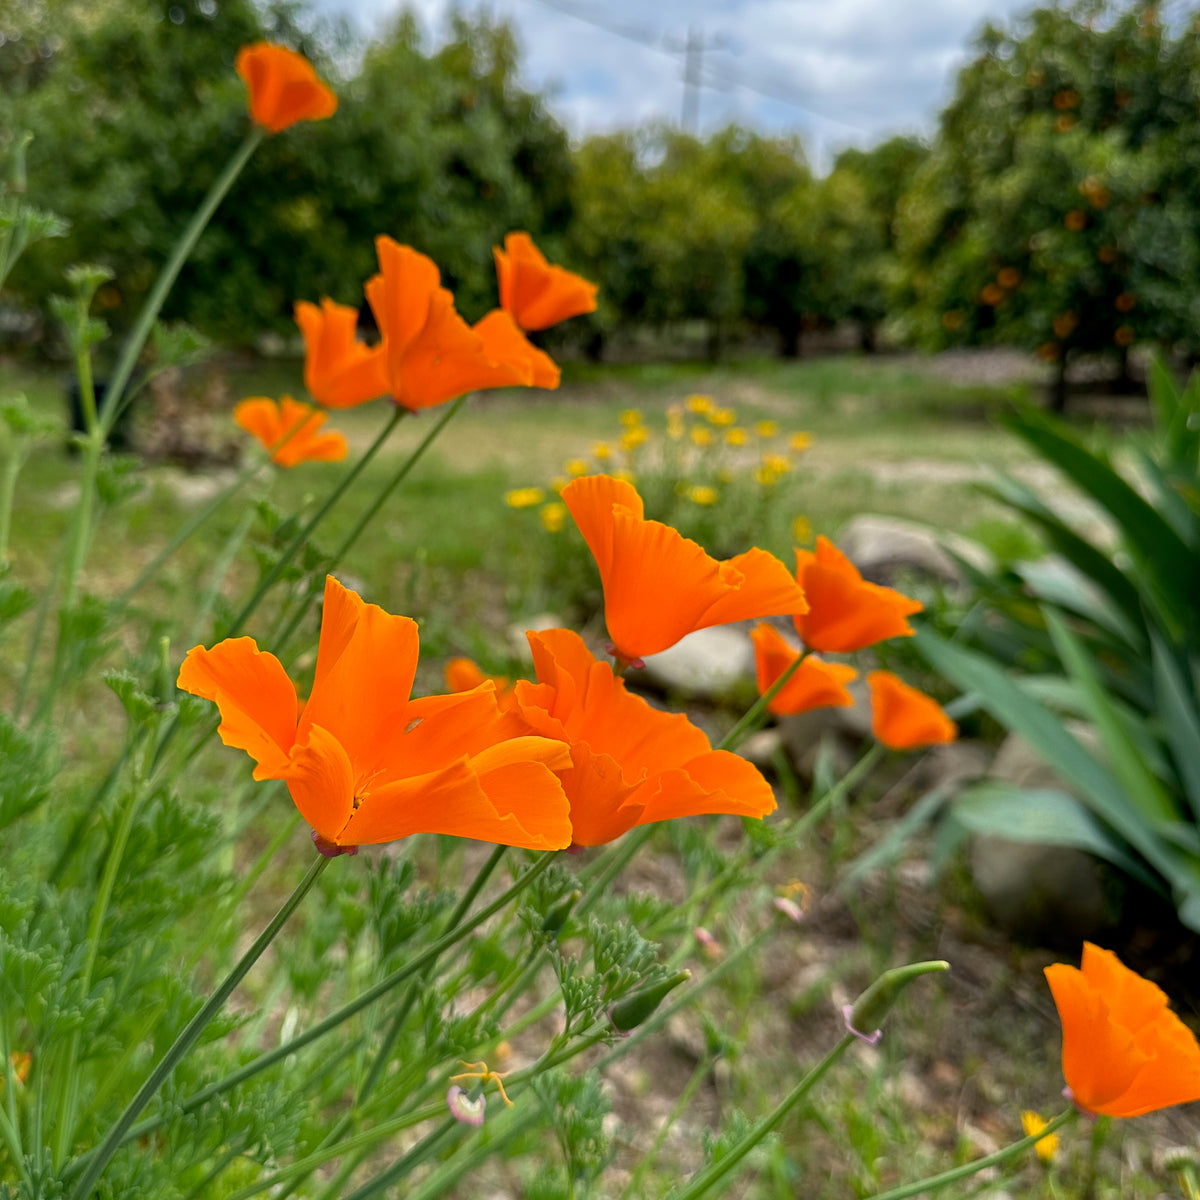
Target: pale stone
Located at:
point(708, 663)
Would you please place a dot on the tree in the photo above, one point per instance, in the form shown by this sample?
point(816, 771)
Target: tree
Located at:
point(1051, 213)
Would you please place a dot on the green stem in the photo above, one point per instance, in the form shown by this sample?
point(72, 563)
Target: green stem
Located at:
point(936, 1182)
point(407, 1162)
point(399, 1017)
point(289, 551)
point(115, 393)
point(751, 715)
point(69, 1074)
point(707, 1177)
point(13, 461)
point(351, 1009)
point(187, 1038)
point(851, 779)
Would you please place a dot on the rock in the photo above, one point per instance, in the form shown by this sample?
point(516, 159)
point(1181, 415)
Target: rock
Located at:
point(709, 663)
point(952, 765)
point(848, 727)
point(759, 748)
point(1046, 893)
point(883, 548)
point(518, 644)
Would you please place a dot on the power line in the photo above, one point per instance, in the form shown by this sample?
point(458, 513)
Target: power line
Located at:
point(696, 71)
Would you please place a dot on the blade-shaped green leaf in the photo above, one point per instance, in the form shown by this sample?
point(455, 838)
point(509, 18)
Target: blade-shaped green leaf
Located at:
point(1020, 713)
point(1046, 816)
point(1091, 562)
point(1177, 706)
point(1152, 800)
point(1161, 555)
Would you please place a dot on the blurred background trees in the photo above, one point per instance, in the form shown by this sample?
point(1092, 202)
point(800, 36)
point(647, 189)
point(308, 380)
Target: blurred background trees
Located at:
point(1056, 209)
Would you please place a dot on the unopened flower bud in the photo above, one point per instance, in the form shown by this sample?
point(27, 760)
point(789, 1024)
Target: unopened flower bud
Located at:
point(864, 1018)
point(630, 1012)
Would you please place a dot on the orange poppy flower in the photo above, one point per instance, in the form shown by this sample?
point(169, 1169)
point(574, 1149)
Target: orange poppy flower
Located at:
point(814, 683)
point(289, 430)
point(363, 762)
point(658, 585)
point(537, 293)
point(631, 764)
point(283, 87)
point(845, 612)
point(506, 343)
point(339, 370)
point(902, 717)
point(1124, 1051)
point(430, 354)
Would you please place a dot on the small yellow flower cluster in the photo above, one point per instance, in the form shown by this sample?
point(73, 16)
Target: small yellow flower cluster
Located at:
point(704, 452)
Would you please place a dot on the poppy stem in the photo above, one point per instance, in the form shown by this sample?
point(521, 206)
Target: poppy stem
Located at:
point(936, 1182)
point(343, 1014)
point(187, 1038)
point(111, 406)
point(289, 551)
point(750, 717)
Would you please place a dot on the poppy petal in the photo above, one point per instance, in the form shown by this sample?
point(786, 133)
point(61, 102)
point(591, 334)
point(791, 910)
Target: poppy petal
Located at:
point(320, 780)
point(256, 699)
point(903, 718)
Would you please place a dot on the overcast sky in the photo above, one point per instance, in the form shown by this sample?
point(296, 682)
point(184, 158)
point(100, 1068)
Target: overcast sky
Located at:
point(840, 72)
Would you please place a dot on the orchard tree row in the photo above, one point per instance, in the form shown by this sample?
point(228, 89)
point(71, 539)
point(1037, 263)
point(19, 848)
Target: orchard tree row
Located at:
point(1057, 208)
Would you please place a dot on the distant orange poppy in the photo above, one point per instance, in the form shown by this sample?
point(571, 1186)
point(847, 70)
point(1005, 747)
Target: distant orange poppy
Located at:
point(464, 675)
point(290, 431)
point(363, 762)
point(536, 293)
point(658, 585)
point(283, 87)
point(430, 354)
point(903, 717)
point(814, 683)
point(845, 612)
point(632, 764)
point(1125, 1053)
point(339, 370)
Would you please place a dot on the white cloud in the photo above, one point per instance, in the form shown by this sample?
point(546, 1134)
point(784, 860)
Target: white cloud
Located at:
point(839, 71)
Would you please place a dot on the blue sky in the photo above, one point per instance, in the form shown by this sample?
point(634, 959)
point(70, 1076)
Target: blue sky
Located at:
point(839, 72)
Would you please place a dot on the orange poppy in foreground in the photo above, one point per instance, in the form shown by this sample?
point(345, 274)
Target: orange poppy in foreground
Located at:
point(903, 718)
point(339, 370)
point(430, 354)
point(632, 764)
point(1124, 1051)
point(283, 87)
point(363, 762)
point(289, 430)
point(814, 683)
point(658, 585)
point(535, 292)
point(845, 612)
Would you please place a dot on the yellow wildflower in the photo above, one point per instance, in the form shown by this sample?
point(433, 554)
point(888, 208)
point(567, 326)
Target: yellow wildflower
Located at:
point(601, 451)
point(624, 475)
point(575, 466)
point(777, 463)
point(553, 516)
point(701, 435)
point(703, 494)
point(799, 442)
point(722, 416)
point(632, 438)
point(525, 497)
point(802, 530)
point(631, 418)
point(766, 429)
point(736, 436)
point(699, 404)
point(558, 483)
point(1032, 1123)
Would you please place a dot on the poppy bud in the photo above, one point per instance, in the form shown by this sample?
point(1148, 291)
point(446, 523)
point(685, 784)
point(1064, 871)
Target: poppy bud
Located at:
point(869, 1010)
point(633, 1010)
